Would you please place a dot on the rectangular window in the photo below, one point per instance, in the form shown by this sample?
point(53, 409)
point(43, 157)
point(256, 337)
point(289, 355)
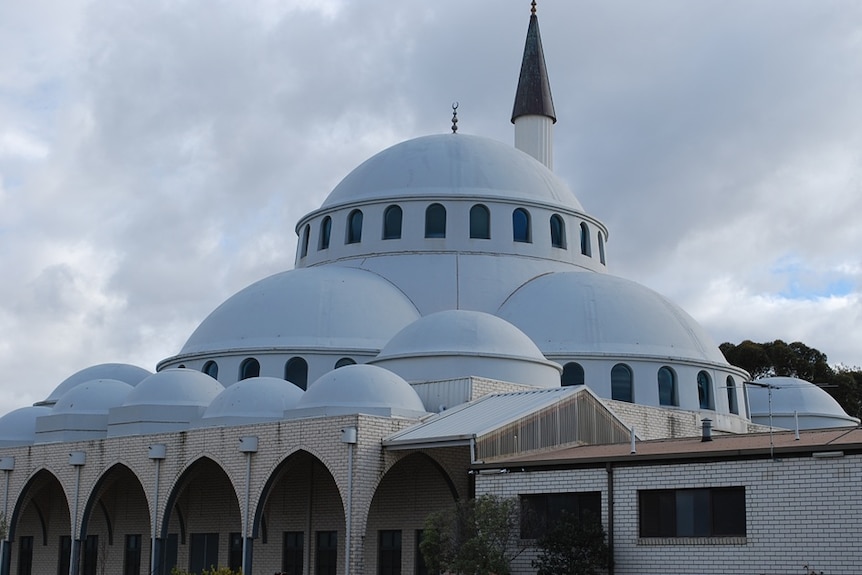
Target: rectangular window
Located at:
point(65, 555)
point(292, 552)
point(711, 512)
point(203, 551)
point(421, 567)
point(170, 551)
point(132, 555)
point(327, 553)
point(25, 555)
point(91, 555)
point(234, 552)
point(389, 552)
point(541, 510)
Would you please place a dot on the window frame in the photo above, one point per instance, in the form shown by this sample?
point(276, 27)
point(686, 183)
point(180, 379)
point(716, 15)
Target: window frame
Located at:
point(250, 367)
point(389, 555)
point(629, 395)
point(480, 221)
point(706, 513)
point(292, 552)
point(325, 234)
point(353, 233)
point(674, 388)
point(586, 248)
point(540, 511)
point(392, 228)
point(291, 373)
point(521, 230)
point(435, 221)
point(558, 233)
point(705, 395)
point(567, 378)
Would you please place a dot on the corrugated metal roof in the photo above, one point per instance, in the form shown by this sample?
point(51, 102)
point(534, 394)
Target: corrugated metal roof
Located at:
point(465, 422)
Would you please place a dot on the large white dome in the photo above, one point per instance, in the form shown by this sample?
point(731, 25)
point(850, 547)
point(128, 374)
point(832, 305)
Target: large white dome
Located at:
point(453, 165)
point(590, 314)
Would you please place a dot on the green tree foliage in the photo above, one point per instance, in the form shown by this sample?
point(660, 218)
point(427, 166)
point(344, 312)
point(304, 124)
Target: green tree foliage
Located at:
point(573, 547)
point(777, 358)
point(475, 537)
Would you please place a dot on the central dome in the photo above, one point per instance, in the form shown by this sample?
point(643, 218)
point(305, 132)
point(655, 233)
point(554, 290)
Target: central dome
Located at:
point(453, 165)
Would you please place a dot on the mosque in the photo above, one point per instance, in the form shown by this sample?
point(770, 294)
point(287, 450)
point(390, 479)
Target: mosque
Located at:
point(449, 329)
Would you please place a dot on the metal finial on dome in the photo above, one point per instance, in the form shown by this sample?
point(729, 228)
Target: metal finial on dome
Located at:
point(454, 117)
point(533, 7)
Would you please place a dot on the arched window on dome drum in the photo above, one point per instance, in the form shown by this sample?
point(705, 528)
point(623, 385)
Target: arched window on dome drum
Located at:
point(354, 227)
point(211, 369)
point(731, 396)
point(558, 232)
point(250, 367)
point(622, 383)
point(585, 240)
point(296, 372)
point(480, 222)
point(325, 232)
point(344, 361)
point(573, 374)
point(435, 221)
point(521, 226)
point(602, 248)
point(667, 394)
point(704, 390)
point(306, 231)
point(392, 223)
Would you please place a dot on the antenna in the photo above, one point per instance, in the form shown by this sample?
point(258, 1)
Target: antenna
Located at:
point(454, 117)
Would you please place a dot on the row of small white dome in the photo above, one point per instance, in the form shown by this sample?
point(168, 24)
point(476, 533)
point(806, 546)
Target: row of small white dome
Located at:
point(179, 399)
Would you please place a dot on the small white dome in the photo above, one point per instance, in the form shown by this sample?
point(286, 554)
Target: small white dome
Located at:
point(359, 389)
point(813, 406)
point(459, 343)
point(329, 307)
point(96, 396)
point(251, 400)
point(18, 427)
point(453, 165)
point(124, 372)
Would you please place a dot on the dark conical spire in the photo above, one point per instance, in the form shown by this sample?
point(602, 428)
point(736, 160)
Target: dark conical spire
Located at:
point(533, 97)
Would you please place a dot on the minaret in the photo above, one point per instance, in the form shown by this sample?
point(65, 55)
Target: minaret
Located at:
point(533, 113)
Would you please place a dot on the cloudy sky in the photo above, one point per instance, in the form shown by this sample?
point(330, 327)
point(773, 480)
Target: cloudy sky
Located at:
point(156, 154)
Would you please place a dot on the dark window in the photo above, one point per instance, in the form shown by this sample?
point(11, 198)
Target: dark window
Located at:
point(585, 240)
point(521, 226)
point(25, 555)
point(601, 248)
point(250, 367)
point(621, 383)
point(306, 231)
point(667, 386)
point(480, 222)
point(325, 233)
point(132, 555)
point(704, 390)
point(91, 555)
point(732, 404)
point(392, 223)
point(354, 227)
point(573, 374)
point(169, 552)
point(389, 552)
point(327, 553)
point(292, 552)
point(296, 372)
point(539, 511)
point(203, 551)
point(234, 551)
point(713, 512)
point(65, 555)
point(344, 361)
point(558, 232)
point(421, 567)
point(435, 221)
point(211, 369)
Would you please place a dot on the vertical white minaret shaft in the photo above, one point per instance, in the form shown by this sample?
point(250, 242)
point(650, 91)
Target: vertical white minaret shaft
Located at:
point(533, 114)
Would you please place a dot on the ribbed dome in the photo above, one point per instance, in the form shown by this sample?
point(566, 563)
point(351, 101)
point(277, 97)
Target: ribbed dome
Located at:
point(360, 389)
point(124, 372)
point(18, 427)
point(454, 165)
point(571, 313)
point(251, 400)
point(311, 308)
point(815, 408)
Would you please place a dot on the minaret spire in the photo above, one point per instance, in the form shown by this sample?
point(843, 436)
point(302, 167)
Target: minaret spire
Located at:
point(533, 113)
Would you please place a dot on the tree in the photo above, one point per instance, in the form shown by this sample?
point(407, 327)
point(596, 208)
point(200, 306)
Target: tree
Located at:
point(475, 537)
point(573, 547)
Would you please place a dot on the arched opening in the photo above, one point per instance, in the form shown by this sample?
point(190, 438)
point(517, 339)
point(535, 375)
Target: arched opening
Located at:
point(480, 222)
point(601, 248)
point(573, 374)
point(354, 227)
point(392, 223)
point(732, 403)
point(521, 226)
point(40, 524)
point(558, 232)
point(211, 369)
point(622, 388)
point(585, 240)
point(325, 233)
point(306, 232)
point(667, 392)
point(249, 367)
point(435, 221)
point(344, 361)
point(296, 372)
point(704, 390)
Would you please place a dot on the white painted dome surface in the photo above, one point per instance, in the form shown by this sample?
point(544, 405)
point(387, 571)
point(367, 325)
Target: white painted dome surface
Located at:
point(251, 400)
point(82, 412)
point(453, 165)
point(327, 307)
point(359, 389)
point(124, 372)
point(461, 343)
point(18, 427)
point(816, 409)
point(571, 313)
